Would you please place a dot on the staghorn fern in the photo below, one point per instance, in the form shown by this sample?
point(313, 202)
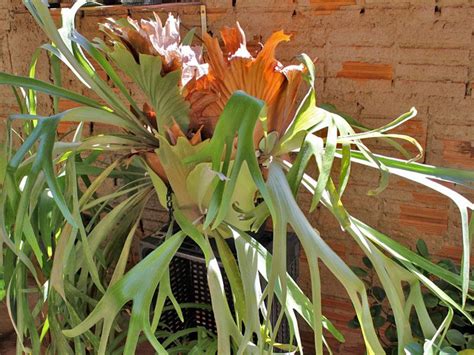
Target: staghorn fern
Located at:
point(219, 139)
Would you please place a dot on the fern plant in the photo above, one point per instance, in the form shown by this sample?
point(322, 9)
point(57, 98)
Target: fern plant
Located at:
point(227, 141)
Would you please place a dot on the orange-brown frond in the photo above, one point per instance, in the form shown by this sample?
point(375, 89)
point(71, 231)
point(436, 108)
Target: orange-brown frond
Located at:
point(215, 57)
point(174, 132)
point(151, 37)
point(154, 163)
point(196, 138)
point(136, 41)
point(233, 68)
point(150, 115)
point(282, 111)
point(235, 43)
point(268, 50)
point(232, 38)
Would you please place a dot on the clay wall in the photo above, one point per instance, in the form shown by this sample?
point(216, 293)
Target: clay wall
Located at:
point(376, 60)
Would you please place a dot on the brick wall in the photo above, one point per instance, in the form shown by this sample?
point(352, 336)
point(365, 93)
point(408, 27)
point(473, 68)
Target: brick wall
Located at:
point(377, 59)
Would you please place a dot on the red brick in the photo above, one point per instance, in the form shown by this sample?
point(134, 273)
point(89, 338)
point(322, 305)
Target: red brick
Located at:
point(345, 85)
point(65, 127)
point(425, 219)
point(330, 5)
point(56, 15)
point(433, 199)
point(453, 252)
point(64, 105)
point(361, 70)
point(459, 152)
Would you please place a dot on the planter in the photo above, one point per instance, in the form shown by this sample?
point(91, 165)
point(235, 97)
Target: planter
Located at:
point(188, 277)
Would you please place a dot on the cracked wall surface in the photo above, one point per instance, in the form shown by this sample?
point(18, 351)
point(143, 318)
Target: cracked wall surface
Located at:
point(376, 60)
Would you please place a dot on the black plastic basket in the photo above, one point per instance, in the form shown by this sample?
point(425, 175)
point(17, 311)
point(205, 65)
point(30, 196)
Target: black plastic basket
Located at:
point(188, 278)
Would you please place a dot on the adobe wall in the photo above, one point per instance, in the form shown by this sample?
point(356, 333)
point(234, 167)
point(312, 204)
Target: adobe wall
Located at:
point(376, 59)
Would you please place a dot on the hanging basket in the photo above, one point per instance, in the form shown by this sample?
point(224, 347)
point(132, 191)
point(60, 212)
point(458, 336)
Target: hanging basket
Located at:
point(188, 278)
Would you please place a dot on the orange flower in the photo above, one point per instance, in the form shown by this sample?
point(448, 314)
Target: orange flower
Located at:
point(234, 68)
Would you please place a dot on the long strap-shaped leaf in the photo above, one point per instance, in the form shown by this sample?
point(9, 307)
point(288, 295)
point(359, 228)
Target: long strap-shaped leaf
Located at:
point(315, 249)
point(136, 286)
point(71, 54)
point(87, 114)
point(457, 176)
point(248, 266)
point(296, 299)
point(362, 233)
point(47, 88)
point(307, 115)
point(391, 284)
point(108, 68)
point(398, 275)
point(45, 133)
point(238, 119)
point(387, 273)
point(463, 204)
point(226, 327)
point(8, 203)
